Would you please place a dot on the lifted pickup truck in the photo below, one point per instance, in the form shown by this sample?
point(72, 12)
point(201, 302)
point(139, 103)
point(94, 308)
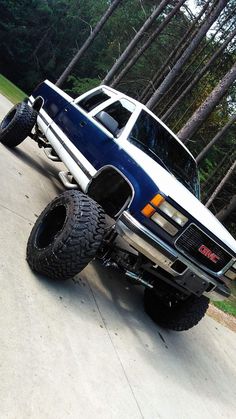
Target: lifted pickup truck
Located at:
point(133, 201)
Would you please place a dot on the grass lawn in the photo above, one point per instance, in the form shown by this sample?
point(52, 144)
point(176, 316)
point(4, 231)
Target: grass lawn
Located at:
point(8, 89)
point(228, 306)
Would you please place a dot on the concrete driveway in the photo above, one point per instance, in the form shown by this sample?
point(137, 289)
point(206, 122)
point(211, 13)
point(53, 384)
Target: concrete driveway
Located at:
point(85, 348)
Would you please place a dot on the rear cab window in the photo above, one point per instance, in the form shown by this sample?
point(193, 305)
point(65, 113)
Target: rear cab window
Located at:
point(93, 100)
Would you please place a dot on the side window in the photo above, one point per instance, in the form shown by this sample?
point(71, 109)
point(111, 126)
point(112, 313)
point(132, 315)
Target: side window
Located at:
point(93, 100)
point(120, 112)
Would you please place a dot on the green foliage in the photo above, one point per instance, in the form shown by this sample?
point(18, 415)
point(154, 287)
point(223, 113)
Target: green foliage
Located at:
point(77, 86)
point(8, 89)
point(228, 306)
point(39, 38)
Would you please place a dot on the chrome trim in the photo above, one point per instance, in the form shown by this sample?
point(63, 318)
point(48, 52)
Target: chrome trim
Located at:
point(48, 152)
point(66, 181)
point(218, 273)
point(145, 248)
point(150, 251)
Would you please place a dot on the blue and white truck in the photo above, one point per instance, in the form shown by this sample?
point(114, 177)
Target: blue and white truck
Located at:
point(132, 200)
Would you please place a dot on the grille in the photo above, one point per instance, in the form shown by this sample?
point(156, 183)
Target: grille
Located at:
point(190, 241)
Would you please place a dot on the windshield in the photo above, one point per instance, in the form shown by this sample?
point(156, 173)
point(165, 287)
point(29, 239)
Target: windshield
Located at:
point(150, 136)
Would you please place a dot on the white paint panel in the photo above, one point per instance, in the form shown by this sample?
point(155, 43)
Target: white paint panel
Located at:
point(171, 187)
point(68, 161)
point(74, 150)
point(41, 124)
point(31, 98)
point(45, 116)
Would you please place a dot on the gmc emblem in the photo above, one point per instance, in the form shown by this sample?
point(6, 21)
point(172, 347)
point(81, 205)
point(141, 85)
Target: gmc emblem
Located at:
point(208, 253)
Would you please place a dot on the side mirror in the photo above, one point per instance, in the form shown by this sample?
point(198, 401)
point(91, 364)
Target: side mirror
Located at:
point(108, 122)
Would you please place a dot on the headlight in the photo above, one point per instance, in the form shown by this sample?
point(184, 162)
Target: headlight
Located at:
point(234, 265)
point(159, 202)
point(173, 213)
point(231, 274)
point(166, 225)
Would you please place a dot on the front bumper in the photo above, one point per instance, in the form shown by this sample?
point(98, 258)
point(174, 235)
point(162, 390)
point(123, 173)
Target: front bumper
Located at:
point(163, 255)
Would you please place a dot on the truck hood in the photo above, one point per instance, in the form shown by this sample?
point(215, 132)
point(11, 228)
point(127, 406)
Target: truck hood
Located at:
point(171, 187)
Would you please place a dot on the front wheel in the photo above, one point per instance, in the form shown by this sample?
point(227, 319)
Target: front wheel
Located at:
point(175, 315)
point(66, 236)
point(17, 124)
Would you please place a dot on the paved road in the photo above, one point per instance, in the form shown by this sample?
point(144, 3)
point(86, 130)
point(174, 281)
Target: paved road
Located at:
point(85, 348)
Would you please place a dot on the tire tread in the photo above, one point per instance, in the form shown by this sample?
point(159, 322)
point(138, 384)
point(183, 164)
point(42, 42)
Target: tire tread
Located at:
point(79, 242)
point(20, 126)
point(183, 317)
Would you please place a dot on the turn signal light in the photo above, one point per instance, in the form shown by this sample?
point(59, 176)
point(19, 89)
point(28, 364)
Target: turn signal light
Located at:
point(148, 211)
point(157, 200)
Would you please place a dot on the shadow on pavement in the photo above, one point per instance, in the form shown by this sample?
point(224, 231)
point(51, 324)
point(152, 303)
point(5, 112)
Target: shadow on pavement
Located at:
point(43, 168)
point(177, 356)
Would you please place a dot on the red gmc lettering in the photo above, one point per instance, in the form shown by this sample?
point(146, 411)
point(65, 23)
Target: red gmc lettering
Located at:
point(208, 253)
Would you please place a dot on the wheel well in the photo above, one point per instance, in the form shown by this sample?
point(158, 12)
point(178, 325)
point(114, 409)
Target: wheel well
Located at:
point(111, 190)
point(38, 103)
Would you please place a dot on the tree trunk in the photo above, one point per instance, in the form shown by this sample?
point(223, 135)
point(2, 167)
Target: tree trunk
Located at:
point(129, 49)
point(227, 210)
point(185, 56)
point(221, 185)
point(146, 44)
point(41, 42)
point(213, 178)
point(88, 42)
point(199, 75)
point(175, 54)
point(187, 80)
point(217, 137)
point(207, 107)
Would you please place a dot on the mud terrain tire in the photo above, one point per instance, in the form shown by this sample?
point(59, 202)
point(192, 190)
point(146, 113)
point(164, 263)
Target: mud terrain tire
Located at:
point(178, 317)
point(66, 236)
point(17, 125)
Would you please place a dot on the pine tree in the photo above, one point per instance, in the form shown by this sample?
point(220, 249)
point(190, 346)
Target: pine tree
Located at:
point(204, 110)
point(173, 73)
point(216, 138)
point(88, 42)
point(129, 49)
point(146, 44)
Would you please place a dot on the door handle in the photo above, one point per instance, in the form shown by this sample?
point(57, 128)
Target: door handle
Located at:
point(82, 124)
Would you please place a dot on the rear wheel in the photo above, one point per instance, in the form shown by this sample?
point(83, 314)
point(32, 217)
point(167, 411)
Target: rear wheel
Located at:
point(174, 314)
point(66, 236)
point(17, 125)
